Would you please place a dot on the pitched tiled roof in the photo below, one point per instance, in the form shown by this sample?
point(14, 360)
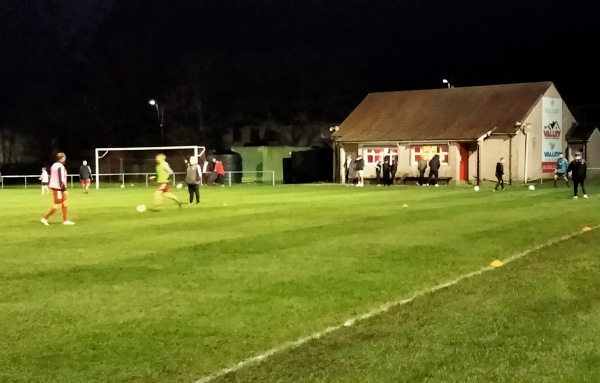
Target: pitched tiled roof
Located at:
point(579, 133)
point(440, 114)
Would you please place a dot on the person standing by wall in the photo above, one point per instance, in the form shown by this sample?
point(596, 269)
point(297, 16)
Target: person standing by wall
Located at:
point(500, 174)
point(44, 178)
point(394, 170)
point(578, 170)
point(349, 169)
point(434, 167)
point(561, 169)
point(421, 167)
point(360, 171)
point(387, 172)
point(378, 170)
point(193, 179)
point(58, 184)
point(219, 171)
point(85, 177)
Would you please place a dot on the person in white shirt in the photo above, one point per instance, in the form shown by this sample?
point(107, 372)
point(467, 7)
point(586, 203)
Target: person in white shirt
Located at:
point(44, 178)
point(58, 184)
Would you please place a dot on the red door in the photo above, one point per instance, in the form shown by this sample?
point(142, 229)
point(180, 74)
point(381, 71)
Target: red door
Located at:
point(464, 163)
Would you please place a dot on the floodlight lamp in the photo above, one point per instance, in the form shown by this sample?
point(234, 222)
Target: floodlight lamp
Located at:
point(152, 102)
point(334, 128)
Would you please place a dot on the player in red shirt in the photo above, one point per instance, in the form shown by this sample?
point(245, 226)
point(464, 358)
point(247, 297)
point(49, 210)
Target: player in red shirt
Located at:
point(219, 171)
point(58, 185)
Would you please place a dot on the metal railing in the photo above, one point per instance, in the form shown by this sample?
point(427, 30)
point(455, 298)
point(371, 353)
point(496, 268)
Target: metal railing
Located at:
point(230, 178)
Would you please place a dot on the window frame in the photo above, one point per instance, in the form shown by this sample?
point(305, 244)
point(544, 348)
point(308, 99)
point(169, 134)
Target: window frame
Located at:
point(444, 155)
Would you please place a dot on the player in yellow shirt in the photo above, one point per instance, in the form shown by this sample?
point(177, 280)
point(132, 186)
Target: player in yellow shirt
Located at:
point(163, 174)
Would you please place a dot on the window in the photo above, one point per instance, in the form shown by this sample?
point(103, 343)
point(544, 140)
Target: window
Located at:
point(372, 155)
point(428, 151)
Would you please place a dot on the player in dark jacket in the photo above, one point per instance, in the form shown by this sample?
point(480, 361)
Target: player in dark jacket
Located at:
point(578, 170)
point(500, 174)
point(434, 167)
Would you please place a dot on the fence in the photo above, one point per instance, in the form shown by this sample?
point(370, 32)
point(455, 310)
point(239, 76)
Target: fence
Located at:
point(132, 179)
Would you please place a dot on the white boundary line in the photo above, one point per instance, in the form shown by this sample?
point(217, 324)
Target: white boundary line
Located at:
point(380, 310)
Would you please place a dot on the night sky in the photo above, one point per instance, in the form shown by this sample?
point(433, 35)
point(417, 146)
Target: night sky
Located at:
point(78, 74)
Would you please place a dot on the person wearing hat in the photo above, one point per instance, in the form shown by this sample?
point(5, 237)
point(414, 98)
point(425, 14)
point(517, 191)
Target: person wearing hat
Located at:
point(578, 170)
point(193, 179)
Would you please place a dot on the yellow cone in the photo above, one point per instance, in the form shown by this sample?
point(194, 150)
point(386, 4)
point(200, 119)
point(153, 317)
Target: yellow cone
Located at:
point(496, 263)
point(587, 228)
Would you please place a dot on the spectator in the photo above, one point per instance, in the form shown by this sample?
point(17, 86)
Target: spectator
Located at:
point(421, 167)
point(193, 179)
point(219, 171)
point(349, 169)
point(360, 171)
point(378, 169)
point(394, 170)
point(434, 167)
point(387, 172)
point(578, 170)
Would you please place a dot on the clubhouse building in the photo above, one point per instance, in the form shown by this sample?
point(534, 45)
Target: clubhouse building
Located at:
point(470, 128)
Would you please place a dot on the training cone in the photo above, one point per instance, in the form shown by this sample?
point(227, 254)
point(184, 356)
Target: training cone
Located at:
point(496, 263)
point(587, 228)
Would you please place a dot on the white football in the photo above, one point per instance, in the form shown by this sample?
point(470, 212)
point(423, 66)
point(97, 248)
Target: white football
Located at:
point(531, 187)
point(141, 208)
point(476, 188)
point(179, 186)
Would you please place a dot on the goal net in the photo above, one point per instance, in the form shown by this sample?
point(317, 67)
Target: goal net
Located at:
point(124, 167)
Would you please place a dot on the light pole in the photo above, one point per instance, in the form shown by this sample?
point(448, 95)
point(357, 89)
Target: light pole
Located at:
point(161, 118)
point(445, 81)
point(332, 130)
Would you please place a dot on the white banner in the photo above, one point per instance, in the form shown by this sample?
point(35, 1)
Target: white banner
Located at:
point(552, 133)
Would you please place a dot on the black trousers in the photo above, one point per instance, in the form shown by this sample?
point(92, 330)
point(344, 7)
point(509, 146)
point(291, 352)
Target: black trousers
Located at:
point(421, 177)
point(387, 180)
point(576, 183)
point(500, 182)
point(433, 174)
point(194, 191)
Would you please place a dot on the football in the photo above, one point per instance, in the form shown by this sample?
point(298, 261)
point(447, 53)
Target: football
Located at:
point(531, 187)
point(141, 208)
point(122, 186)
point(179, 186)
point(476, 188)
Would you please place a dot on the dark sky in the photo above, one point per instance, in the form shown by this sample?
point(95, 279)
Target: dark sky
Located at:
point(77, 67)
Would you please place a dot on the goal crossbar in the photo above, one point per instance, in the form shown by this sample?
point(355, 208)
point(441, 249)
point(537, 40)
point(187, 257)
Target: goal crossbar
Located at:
point(198, 151)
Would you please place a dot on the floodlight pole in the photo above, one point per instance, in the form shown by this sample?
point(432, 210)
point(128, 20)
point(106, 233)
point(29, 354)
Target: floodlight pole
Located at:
point(161, 118)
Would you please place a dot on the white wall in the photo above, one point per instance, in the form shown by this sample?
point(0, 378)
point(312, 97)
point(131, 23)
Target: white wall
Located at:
point(593, 150)
point(492, 149)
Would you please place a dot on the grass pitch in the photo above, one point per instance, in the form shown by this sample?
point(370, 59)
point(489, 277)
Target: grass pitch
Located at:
point(180, 294)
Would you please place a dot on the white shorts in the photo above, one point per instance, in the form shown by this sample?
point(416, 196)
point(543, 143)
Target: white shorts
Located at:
point(360, 173)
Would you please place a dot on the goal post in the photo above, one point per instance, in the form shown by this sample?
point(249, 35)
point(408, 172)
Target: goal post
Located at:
point(139, 158)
